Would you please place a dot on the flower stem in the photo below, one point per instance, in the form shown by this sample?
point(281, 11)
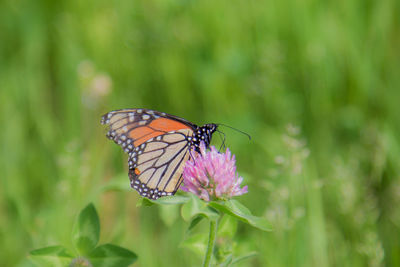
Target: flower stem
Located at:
point(211, 241)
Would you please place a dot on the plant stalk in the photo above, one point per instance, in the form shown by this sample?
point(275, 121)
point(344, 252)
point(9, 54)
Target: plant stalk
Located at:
point(211, 242)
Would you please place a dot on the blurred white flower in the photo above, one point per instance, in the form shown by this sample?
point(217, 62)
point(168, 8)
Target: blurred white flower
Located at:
point(94, 85)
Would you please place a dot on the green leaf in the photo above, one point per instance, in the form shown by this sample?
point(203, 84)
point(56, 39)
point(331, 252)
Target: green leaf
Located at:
point(195, 221)
point(172, 200)
point(51, 256)
point(237, 210)
point(169, 213)
point(87, 230)
point(195, 207)
point(109, 255)
point(230, 261)
point(244, 257)
point(145, 202)
point(227, 226)
point(168, 200)
point(197, 243)
point(227, 262)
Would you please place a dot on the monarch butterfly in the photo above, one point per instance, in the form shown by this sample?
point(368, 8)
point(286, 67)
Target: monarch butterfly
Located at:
point(158, 145)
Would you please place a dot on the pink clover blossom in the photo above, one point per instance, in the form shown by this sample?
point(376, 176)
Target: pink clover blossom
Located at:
point(212, 175)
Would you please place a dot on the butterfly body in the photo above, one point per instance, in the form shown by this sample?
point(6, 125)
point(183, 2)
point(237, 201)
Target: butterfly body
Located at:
point(158, 145)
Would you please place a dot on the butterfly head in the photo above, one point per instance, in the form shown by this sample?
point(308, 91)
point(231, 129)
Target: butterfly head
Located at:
point(203, 134)
point(209, 130)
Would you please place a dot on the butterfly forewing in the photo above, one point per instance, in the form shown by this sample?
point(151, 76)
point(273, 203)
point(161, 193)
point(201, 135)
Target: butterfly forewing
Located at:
point(140, 125)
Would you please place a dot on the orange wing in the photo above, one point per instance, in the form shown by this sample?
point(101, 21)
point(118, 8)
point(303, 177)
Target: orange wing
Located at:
point(136, 126)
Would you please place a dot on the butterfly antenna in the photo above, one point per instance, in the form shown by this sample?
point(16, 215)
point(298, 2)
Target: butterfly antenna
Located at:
point(223, 140)
point(191, 155)
point(246, 134)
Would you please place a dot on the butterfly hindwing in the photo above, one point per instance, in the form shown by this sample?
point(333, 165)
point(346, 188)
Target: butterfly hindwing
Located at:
point(156, 170)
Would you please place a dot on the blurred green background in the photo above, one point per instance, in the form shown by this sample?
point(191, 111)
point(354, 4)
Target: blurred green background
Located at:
point(315, 83)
